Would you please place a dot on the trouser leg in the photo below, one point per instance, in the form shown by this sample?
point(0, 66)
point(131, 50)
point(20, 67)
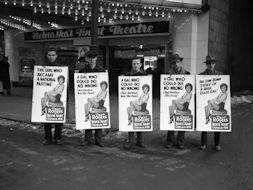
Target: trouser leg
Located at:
point(98, 136)
point(170, 137)
point(217, 138)
point(180, 137)
point(203, 138)
point(48, 131)
point(8, 92)
point(58, 131)
point(139, 138)
point(88, 135)
point(131, 137)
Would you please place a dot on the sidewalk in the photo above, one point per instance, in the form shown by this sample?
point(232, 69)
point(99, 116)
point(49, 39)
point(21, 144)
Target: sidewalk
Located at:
point(234, 162)
point(18, 106)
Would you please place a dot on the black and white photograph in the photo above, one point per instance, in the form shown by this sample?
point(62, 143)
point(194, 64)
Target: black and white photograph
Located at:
point(126, 95)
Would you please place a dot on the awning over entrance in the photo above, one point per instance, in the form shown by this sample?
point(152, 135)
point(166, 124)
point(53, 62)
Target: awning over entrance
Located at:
point(30, 15)
point(197, 4)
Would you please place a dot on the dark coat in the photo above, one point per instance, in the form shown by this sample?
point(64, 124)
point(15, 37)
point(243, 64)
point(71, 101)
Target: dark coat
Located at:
point(88, 69)
point(182, 71)
point(56, 63)
point(134, 73)
point(214, 72)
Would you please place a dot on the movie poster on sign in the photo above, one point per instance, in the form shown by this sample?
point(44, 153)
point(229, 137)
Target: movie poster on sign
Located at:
point(135, 103)
point(92, 106)
point(177, 102)
point(213, 103)
point(49, 94)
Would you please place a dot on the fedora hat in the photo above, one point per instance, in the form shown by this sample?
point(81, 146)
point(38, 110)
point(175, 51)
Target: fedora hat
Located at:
point(92, 53)
point(176, 57)
point(210, 59)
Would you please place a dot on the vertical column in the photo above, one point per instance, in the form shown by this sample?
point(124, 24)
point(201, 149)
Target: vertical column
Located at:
point(194, 44)
point(107, 54)
point(166, 61)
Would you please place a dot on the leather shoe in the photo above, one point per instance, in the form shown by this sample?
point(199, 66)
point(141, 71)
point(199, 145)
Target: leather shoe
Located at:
point(218, 148)
point(141, 145)
point(128, 146)
point(100, 144)
point(84, 143)
point(203, 147)
point(58, 142)
point(168, 145)
point(181, 146)
point(46, 142)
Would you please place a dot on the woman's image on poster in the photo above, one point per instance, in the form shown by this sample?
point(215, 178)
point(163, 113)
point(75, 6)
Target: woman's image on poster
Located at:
point(217, 103)
point(139, 104)
point(53, 96)
point(96, 101)
point(181, 103)
point(82, 51)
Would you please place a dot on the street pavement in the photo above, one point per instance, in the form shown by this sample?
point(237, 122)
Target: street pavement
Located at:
point(26, 164)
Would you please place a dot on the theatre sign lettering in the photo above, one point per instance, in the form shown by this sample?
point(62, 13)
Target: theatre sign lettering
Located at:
point(105, 31)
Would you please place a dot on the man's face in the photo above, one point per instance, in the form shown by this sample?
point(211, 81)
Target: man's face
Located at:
point(210, 66)
point(178, 64)
point(52, 56)
point(136, 64)
point(92, 61)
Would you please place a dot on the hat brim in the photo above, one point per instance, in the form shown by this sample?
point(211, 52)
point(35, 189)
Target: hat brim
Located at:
point(209, 61)
point(93, 54)
point(175, 60)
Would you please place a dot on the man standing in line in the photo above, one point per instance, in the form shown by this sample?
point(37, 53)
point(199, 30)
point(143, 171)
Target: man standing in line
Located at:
point(92, 67)
point(136, 70)
point(52, 61)
point(210, 70)
point(176, 69)
point(5, 76)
